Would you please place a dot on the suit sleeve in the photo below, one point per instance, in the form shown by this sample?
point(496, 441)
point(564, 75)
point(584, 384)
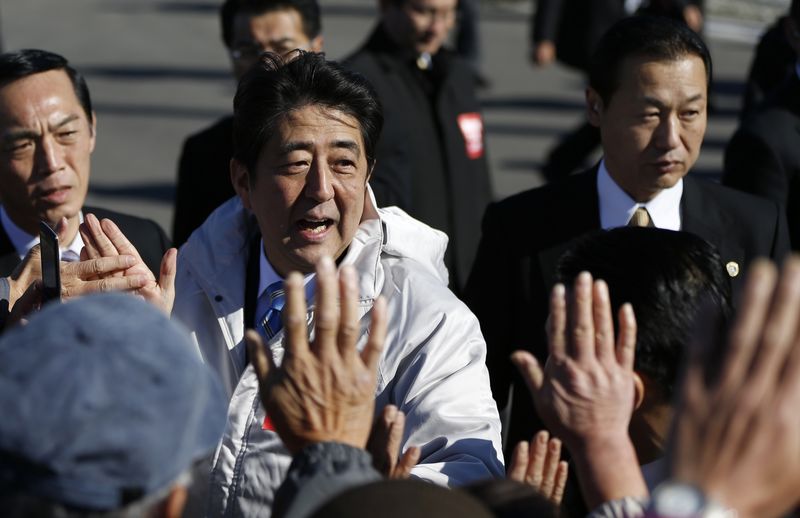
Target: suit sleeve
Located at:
point(752, 165)
point(545, 20)
point(488, 293)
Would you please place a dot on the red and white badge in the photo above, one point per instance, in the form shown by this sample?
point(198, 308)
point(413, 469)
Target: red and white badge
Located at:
point(471, 126)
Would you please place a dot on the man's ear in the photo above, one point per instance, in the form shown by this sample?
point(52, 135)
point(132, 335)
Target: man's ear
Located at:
point(594, 106)
point(316, 44)
point(240, 178)
point(173, 504)
point(639, 391)
point(93, 130)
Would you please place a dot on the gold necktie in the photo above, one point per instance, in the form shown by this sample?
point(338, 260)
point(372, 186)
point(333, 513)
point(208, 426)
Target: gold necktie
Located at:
point(640, 218)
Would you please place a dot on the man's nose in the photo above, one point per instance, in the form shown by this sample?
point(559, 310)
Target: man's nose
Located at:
point(319, 184)
point(667, 134)
point(49, 156)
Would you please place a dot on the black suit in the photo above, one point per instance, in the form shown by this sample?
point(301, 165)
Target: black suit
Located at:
point(148, 238)
point(203, 177)
point(763, 156)
point(426, 164)
point(524, 236)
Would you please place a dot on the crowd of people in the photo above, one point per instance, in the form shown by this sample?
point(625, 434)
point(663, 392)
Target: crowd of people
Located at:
point(350, 326)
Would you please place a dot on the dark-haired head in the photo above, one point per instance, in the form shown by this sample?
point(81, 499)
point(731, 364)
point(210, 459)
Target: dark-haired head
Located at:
point(276, 86)
point(652, 38)
point(307, 9)
point(668, 277)
point(26, 62)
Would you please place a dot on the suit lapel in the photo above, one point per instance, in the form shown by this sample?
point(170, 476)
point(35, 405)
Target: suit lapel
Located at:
point(8, 255)
point(580, 216)
point(700, 217)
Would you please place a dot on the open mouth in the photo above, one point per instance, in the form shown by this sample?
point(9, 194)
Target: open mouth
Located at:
point(314, 227)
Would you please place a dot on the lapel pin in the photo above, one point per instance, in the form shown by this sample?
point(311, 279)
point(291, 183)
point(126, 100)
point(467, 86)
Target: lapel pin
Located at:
point(733, 268)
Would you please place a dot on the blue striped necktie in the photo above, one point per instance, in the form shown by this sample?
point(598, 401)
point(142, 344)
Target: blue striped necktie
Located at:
point(270, 322)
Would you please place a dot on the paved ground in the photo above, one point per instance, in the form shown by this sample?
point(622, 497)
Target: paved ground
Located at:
point(157, 71)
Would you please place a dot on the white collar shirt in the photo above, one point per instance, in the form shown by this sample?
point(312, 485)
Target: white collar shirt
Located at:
point(616, 207)
point(23, 241)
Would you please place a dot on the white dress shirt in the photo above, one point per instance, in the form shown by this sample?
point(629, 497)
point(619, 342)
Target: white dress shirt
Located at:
point(23, 241)
point(616, 207)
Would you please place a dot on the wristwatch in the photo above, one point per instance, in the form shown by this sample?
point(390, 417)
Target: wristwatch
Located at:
point(679, 500)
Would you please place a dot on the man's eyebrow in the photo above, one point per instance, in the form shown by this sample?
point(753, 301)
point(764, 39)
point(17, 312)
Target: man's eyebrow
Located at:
point(27, 133)
point(297, 145)
point(66, 120)
point(659, 104)
point(350, 145)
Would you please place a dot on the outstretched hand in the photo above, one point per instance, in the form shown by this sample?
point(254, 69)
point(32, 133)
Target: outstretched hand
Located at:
point(385, 442)
point(736, 433)
point(539, 465)
point(585, 393)
point(105, 239)
point(323, 390)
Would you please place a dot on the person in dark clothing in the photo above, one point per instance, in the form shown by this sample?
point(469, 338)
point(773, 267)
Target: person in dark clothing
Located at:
point(249, 27)
point(431, 158)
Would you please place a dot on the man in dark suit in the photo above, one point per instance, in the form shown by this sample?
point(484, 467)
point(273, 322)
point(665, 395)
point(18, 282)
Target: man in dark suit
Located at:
point(431, 157)
point(648, 91)
point(568, 30)
point(763, 156)
point(249, 27)
point(47, 128)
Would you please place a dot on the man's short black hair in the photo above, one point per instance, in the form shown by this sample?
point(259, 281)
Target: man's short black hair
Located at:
point(794, 11)
point(651, 37)
point(26, 62)
point(307, 9)
point(668, 277)
point(275, 86)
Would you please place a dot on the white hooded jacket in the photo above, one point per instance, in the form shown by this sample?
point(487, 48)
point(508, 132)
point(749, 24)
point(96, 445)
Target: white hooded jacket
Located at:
point(432, 366)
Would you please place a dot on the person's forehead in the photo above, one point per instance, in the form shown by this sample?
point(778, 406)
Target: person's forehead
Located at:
point(269, 25)
point(685, 73)
point(439, 5)
point(45, 93)
point(320, 126)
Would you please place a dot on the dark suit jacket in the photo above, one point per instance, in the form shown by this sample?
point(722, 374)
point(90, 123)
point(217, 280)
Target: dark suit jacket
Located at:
point(424, 164)
point(524, 236)
point(203, 177)
point(148, 238)
point(763, 156)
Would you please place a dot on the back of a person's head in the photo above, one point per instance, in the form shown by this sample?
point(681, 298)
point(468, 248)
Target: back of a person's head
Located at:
point(275, 86)
point(307, 9)
point(650, 37)
point(668, 277)
point(507, 498)
point(106, 408)
point(402, 499)
point(27, 62)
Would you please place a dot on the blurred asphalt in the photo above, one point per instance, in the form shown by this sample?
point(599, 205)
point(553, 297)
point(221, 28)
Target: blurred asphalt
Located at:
point(158, 71)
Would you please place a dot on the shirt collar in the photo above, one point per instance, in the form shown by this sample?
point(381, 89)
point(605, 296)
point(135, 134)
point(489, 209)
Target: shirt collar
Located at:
point(616, 207)
point(23, 241)
point(267, 276)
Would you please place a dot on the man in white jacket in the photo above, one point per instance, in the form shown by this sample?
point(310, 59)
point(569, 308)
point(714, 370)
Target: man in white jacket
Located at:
point(304, 138)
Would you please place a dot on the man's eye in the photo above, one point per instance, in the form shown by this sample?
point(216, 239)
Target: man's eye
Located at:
point(68, 134)
point(20, 146)
point(691, 114)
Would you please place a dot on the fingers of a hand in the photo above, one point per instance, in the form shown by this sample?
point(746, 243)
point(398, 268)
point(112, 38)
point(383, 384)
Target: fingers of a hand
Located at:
point(551, 466)
point(90, 249)
point(407, 462)
point(373, 349)
point(29, 302)
point(519, 462)
point(100, 267)
point(104, 245)
point(294, 316)
point(326, 309)
point(780, 328)
point(166, 277)
point(118, 239)
point(603, 322)
point(262, 362)
point(560, 483)
point(348, 322)
point(557, 322)
point(530, 370)
point(749, 322)
point(395, 438)
point(79, 288)
point(580, 322)
point(626, 341)
point(537, 456)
